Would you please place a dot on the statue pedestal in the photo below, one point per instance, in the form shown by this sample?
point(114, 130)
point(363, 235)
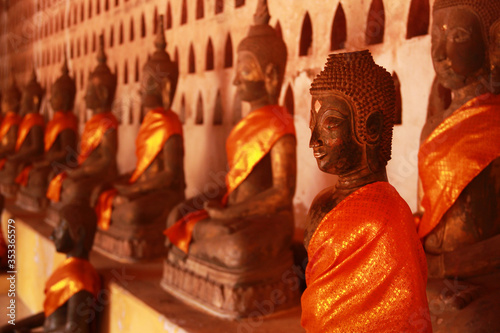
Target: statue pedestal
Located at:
point(232, 294)
point(132, 299)
point(30, 203)
point(9, 190)
point(132, 243)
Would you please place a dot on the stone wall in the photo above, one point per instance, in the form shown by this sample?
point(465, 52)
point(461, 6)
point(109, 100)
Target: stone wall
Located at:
point(39, 31)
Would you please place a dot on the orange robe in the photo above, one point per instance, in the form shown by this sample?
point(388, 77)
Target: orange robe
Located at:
point(73, 276)
point(367, 270)
point(92, 135)
point(249, 141)
point(10, 119)
point(462, 146)
point(60, 122)
point(157, 127)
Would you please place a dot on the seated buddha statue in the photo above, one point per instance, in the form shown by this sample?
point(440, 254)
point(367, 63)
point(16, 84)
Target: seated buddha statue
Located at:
point(132, 213)
point(246, 230)
point(11, 101)
point(73, 287)
point(459, 171)
point(366, 269)
point(59, 144)
point(96, 161)
point(29, 141)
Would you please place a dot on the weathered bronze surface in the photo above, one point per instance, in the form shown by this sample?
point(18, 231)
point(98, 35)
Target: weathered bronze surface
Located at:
point(73, 236)
point(244, 246)
point(62, 152)
point(32, 147)
point(140, 208)
point(462, 250)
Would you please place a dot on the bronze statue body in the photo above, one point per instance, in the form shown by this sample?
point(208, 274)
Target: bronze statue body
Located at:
point(96, 160)
point(60, 141)
point(73, 287)
point(241, 236)
point(140, 202)
point(460, 225)
point(28, 145)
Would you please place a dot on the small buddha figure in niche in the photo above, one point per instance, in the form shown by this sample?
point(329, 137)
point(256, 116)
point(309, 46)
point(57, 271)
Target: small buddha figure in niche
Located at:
point(98, 144)
point(459, 170)
point(29, 141)
point(249, 226)
point(366, 269)
point(73, 286)
point(11, 102)
point(137, 205)
point(59, 144)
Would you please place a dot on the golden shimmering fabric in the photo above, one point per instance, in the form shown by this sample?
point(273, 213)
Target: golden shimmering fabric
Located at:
point(92, 136)
point(23, 176)
point(157, 127)
point(455, 153)
point(367, 270)
point(74, 275)
point(29, 120)
point(60, 122)
point(249, 141)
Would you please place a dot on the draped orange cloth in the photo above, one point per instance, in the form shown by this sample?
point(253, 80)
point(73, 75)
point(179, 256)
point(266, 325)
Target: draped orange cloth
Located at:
point(73, 276)
point(249, 141)
point(367, 270)
point(23, 176)
point(61, 121)
point(91, 138)
point(156, 128)
point(456, 152)
point(11, 118)
point(29, 120)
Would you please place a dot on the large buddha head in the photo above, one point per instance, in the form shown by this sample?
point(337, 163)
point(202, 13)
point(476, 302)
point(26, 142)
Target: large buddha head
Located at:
point(102, 83)
point(261, 61)
point(160, 75)
point(32, 96)
point(63, 90)
point(11, 99)
point(352, 114)
point(461, 40)
point(76, 230)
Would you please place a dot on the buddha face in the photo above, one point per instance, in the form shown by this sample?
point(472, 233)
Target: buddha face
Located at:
point(332, 135)
point(28, 102)
point(249, 79)
point(94, 96)
point(57, 100)
point(458, 48)
point(62, 237)
point(9, 104)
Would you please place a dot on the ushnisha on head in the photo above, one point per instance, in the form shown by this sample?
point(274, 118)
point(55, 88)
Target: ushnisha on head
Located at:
point(352, 114)
point(63, 90)
point(461, 40)
point(74, 235)
point(261, 60)
point(102, 83)
point(11, 99)
point(160, 75)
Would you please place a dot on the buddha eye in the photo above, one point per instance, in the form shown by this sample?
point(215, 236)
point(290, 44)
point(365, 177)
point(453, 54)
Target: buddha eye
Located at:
point(459, 35)
point(332, 122)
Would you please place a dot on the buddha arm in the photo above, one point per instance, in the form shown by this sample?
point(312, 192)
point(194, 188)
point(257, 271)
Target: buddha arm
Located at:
point(35, 138)
point(173, 154)
point(98, 166)
point(9, 142)
point(67, 145)
point(79, 314)
point(27, 323)
point(279, 196)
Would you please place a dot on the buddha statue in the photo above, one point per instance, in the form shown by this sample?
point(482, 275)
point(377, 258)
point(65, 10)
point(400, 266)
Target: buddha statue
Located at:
point(60, 141)
point(240, 239)
point(459, 171)
point(74, 286)
point(96, 161)
point(11, 102)
point(366, 269)
point(29, 141)
point(132, 212)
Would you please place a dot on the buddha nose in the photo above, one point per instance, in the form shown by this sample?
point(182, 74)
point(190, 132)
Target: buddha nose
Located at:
point(315, 140)
point(439, 50)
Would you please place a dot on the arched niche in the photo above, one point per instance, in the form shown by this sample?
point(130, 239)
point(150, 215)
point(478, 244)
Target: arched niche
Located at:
point(192, 60)
point(418, 19)
point(209, 61)
point(228, 52)
point(306, 36)
point(289, 100)
point(339, 30)
point(375, 24)
point(199, 110)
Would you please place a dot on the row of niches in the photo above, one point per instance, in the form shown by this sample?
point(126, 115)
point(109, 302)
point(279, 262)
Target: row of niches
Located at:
point(417, 24)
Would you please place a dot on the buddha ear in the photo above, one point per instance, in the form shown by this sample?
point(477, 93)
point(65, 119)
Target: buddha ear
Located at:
point(374, 125)
point(272, 82)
